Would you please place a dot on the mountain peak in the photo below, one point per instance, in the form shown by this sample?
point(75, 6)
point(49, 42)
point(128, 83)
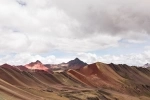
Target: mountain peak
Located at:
point(36, 66)
point(38, 61)
point(76, 63)
point(77, 59)
point(6, 66)
point(147, 65)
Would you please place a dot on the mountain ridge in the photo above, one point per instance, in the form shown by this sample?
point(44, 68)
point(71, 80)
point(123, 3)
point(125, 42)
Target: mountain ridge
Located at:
point(97, 80)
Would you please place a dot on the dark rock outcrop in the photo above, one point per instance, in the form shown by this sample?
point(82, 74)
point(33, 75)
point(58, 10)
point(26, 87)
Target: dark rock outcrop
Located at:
point(76, 64)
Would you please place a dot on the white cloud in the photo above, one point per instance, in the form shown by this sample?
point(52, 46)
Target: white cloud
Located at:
point(41, 26)
point(136, 41)
point(25, 58)
point(130, 59)
point(86, 44)
point(88, 57)
point(31, 27)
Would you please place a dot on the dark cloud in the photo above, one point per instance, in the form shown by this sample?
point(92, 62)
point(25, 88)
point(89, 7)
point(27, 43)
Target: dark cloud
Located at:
point(113, 17)
point(117, 21)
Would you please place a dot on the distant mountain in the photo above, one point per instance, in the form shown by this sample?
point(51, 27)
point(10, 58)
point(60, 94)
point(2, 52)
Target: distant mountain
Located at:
point(21, 68)
point(76, 64)
point(73, 64)
point(37, 66)
point(7, 66)
point(57, 67)
point(146, 65)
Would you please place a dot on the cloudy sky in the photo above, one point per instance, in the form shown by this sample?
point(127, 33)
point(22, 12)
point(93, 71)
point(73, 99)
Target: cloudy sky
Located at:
point(56, 31)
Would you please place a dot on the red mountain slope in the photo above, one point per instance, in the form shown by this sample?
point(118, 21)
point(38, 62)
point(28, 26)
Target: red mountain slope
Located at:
point(35, 66)
point(98, 75)
point(96, 81)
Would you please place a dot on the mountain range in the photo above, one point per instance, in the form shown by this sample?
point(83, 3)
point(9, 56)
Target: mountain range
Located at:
point(74, 80)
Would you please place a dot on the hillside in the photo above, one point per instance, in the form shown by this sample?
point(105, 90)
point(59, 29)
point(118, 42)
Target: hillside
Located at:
point(97, 81)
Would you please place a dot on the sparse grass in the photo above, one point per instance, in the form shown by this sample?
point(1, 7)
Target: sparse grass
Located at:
point(103, 92)
point(1, 97)
point(71, 97)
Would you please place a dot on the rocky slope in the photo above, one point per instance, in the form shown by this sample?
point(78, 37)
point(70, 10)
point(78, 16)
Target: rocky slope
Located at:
point(97, 81)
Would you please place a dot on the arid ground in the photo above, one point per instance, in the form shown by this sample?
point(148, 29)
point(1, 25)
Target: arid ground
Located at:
point(97, 81)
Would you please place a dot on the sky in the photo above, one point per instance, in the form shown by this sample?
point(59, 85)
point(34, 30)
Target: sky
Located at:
point(55, 31)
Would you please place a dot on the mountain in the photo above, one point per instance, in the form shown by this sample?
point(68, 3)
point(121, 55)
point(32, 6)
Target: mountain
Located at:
point(73, 64)
point(7, 66)
point(57, 67)
point(21, 68)
point(37, 66)
point(126, 79)
point(76, 64)
point(97, 81)
point(97, 75)
point(146, 65)
point(36, 85)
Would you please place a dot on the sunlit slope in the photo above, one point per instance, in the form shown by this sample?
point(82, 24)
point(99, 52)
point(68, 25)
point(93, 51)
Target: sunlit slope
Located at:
point(122, 78)
point(135, 74)
point(98, 75)
point(35, 79)
point(21, 85)
point(98, 80)
point(14, 92)
point(137, 78)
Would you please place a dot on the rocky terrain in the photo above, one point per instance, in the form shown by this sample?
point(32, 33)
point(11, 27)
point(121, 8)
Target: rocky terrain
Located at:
point(76, 81)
